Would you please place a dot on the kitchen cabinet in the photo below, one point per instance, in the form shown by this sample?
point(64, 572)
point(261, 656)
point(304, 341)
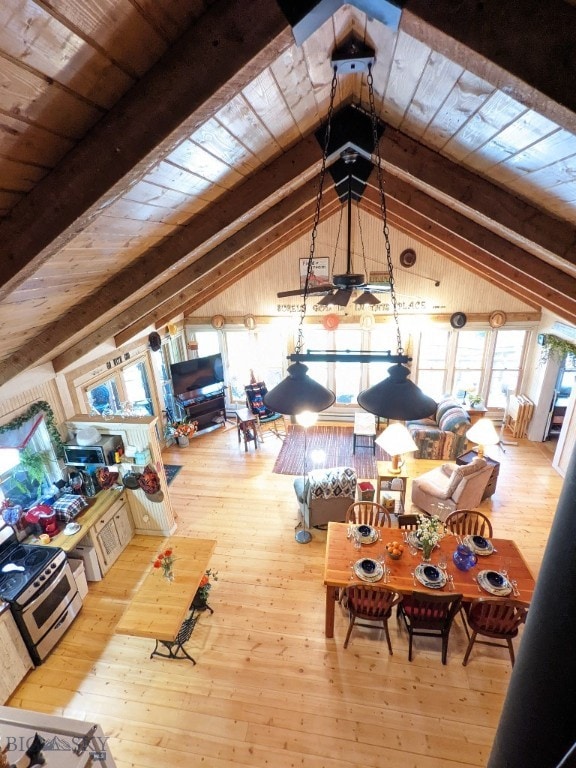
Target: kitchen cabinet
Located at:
point(15, 660)
point(149, 516)
point(111, 533)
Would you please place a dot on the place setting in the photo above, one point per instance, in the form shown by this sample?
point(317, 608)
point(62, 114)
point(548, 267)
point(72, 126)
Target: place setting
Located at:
point(496, 583)
point(365, 534)
point(431, 576)
point(479, 545)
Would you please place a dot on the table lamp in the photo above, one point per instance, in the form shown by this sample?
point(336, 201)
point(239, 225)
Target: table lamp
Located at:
point(483, 433)
point(396, 440)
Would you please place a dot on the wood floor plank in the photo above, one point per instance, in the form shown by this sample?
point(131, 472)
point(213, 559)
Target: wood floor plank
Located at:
point(269, 688)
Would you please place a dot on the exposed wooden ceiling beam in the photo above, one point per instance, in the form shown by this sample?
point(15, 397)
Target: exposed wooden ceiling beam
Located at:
point(515, 270)
point(278, 179)
point(498, 210)
point(175, 288)
point(232, 46)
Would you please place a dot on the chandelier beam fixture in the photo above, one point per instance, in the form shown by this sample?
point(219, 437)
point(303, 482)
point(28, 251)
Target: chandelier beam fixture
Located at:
point(347, 356)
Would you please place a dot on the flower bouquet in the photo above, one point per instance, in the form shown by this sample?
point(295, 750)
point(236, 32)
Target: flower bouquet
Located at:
point(165, 560)
point(430, 532)
point(201, 596)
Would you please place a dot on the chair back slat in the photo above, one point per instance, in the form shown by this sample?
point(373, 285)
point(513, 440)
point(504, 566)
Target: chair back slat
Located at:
point(469, 522)
point(368, 513)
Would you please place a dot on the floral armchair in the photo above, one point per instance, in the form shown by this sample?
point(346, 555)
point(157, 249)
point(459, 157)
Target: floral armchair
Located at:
point(443, 435)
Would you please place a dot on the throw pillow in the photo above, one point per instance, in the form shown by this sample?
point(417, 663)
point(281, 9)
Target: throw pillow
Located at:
point(453, 418)
point(449, 467)
point(457, 477)
point(475, 465)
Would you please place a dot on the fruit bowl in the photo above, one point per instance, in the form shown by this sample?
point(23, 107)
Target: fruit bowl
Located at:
point(394, 550)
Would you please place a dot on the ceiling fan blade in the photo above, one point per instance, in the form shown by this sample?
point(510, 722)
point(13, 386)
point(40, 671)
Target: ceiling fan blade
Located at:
point(377, 287)
point(300, 291)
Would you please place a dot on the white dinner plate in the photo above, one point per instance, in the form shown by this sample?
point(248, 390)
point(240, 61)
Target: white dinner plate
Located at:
point(489, 586)
point(71, 529)
point(375, 575)
point(479, 545)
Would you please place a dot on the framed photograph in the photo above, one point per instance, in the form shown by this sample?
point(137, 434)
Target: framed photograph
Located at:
point(320, 274)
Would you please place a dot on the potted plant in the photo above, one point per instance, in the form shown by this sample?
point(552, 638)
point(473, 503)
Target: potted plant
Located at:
point(182, 431)
point(30, 474)
point(200, 601)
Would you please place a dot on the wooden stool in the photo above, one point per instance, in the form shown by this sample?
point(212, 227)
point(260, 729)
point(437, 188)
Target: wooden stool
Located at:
point(364, 431)
point(246, 424)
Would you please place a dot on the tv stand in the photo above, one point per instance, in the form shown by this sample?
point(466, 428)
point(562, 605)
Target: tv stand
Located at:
point(206, 405)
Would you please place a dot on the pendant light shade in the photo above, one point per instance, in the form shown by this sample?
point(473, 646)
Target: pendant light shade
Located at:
point(298, 392)
point(397, 397)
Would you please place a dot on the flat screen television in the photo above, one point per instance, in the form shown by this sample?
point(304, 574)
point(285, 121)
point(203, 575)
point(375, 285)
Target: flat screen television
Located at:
point(197, 373)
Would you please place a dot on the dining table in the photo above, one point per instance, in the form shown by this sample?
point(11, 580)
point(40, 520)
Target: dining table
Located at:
point(342, 553)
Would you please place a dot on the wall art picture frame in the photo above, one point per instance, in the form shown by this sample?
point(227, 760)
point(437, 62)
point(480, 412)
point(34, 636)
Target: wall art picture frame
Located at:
point(320, 274)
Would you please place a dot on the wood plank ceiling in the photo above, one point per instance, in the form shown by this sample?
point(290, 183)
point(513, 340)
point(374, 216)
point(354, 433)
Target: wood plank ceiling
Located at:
point(153, 152)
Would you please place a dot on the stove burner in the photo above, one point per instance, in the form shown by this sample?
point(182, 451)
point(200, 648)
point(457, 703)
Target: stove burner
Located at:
point(17, 554)
point(36, 557)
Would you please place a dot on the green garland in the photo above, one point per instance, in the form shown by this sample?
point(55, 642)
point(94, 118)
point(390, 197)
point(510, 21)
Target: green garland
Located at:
point(558, 349)
point(44, 407)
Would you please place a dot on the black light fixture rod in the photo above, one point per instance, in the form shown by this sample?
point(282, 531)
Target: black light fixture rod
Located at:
point(345, 356)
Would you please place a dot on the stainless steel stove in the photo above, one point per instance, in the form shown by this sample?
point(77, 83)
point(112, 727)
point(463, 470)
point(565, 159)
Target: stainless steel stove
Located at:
point(39, 585)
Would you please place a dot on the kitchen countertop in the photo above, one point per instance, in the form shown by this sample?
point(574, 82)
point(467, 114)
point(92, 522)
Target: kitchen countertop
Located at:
point(86, 519)
point(65, 738)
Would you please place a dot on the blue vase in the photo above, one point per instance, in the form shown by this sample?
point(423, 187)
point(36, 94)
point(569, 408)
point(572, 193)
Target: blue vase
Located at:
point(464, 558)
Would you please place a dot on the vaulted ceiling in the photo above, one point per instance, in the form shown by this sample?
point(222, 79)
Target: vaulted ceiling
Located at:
point(152, 152)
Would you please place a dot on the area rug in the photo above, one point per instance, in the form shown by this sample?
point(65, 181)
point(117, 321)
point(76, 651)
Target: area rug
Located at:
point(171, 471)
point(325, 447)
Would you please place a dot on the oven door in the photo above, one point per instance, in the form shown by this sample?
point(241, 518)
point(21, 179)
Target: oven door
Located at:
point(45, 610)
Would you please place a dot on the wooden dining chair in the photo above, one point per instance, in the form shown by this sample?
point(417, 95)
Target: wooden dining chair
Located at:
point(368, 513)
point(409, 522)
point(429, 615)
point(468, 522)
point(372, 604)
point(495, 618)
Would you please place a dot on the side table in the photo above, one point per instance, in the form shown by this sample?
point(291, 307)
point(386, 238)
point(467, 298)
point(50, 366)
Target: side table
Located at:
point(247, 426)
point(384, 476)
point(475, 414)
point(467, 457)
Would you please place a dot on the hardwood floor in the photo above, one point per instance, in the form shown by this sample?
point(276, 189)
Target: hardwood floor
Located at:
point(268, 688)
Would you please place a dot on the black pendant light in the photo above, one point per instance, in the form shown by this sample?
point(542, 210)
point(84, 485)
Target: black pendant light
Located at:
point(396, 397)
point(298, 392)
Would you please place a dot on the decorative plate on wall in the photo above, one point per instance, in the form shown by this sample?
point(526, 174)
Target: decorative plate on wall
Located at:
point(250, 322)
point(331, 322)
point(218, 321)
point(497, 319)
point(408, 258)
point(458, 320)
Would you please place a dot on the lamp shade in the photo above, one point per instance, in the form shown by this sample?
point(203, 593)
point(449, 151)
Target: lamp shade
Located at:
point(397, 397)
point(483, 433)
point(396, 439)
point(298, 392)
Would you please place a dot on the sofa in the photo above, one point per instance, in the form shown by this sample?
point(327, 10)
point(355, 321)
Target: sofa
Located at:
point(325, 495)
point(443, 435)
point(450, 486)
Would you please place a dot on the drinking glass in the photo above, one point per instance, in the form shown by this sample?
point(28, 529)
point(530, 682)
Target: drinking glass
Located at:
point(442, 562)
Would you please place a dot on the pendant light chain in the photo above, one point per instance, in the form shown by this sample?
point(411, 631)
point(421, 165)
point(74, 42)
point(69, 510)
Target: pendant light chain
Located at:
point(385, 229)
point(300, 340)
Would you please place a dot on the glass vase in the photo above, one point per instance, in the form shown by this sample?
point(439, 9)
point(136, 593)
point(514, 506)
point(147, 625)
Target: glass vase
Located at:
point(427, 548)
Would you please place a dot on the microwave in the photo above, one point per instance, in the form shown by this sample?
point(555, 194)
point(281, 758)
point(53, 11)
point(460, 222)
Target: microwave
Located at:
point(107, 451)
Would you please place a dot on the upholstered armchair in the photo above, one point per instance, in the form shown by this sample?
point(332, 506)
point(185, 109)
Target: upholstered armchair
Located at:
point(450, 486)
point(325, 495)
point(443, 435)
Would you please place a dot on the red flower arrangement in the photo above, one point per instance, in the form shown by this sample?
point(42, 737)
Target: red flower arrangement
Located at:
point(165, 560)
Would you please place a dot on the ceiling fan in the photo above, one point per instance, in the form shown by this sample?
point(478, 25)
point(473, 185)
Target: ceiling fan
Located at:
point(339, 291)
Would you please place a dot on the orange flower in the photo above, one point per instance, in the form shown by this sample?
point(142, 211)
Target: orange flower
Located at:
point(204, 581)
point(157, 564)
point(168, 553)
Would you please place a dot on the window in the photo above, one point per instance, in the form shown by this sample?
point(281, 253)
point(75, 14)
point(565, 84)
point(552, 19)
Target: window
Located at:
point(127, 387)
point(432, 363)
point(504, 373)
point(261, 351)
point(17, 480)
point(469, 362)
